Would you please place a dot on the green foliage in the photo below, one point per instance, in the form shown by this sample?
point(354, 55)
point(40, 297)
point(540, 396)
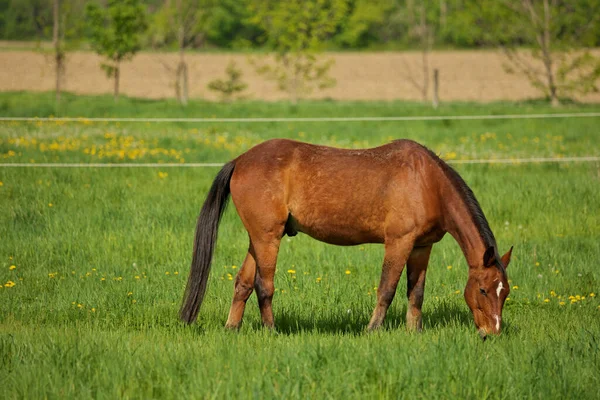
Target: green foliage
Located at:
point(115, 32)
point(296, 31)
point(230, 87)
point(24, 19)
point(358, 28)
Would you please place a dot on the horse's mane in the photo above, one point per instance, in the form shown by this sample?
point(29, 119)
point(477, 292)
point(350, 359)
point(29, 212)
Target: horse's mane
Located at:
point(469, 198)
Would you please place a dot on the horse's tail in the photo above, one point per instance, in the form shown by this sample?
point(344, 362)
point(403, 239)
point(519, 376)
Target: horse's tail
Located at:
point(204, 243)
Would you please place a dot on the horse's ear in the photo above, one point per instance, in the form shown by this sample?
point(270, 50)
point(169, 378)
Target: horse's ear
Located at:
point(489, 257)
point(506, 257)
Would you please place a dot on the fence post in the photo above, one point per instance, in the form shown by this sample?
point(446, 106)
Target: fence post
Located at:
point(436, 99)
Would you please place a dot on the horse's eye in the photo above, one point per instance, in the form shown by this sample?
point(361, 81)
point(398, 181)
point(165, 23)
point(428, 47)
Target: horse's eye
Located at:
point(482, 291)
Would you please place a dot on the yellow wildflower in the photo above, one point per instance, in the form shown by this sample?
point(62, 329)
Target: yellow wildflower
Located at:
point(348, 272)
point(167, 273)
point(546, 300)
point(1, 184)
point(592, 294)
point(562, 303)
point(291, 271)
point(318, 279)
point(9, 284)
point(449, 267)
point(162, 175)
point(515, 287)
point(12, 267)
point(129, 293)
point(50, 204)
point(457, 292)
point(537, 264)
point(176, 273)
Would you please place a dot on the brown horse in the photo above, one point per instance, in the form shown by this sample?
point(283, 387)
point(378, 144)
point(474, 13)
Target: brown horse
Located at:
point(400, 194)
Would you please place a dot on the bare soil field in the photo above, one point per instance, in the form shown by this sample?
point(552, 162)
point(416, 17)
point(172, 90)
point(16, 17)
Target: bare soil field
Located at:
point(464, 75)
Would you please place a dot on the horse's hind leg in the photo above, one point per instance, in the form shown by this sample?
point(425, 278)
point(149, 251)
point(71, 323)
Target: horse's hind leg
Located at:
point(415, 280)
point(266, 259)
point(244, 282)
point(396, 254)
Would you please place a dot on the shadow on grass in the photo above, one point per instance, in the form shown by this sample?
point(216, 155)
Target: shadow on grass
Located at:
point(444, 315)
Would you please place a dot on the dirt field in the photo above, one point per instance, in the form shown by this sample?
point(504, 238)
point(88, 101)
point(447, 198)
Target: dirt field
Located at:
point(464, 75)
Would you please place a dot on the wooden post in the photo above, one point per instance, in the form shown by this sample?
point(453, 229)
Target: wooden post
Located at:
point(436, 99)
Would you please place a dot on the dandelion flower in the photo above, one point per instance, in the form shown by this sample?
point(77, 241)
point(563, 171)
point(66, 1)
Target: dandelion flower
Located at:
point(348, 272)
point(537, 264)
point(515, 287)
point(167, 273)
point(457, 292)
point(50, 204)
point(546, 300)
point(318, 279)
point(12, 267)
point(129, 293)
point(449, 267)
point(562, 303)
point(291, 271)
point(592, 294)
point(9, 284)
point(162, 175)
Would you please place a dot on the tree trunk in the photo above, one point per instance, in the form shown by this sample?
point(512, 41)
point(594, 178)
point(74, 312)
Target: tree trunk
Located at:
point(117, 73)
point(58, 56)
point(425, 43)
point(547, 57)
point(443, 13)
point(182, 70)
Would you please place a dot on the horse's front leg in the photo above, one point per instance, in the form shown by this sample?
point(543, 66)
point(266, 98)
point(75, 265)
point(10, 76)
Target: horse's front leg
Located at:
point(417, 267)
point(396, 254)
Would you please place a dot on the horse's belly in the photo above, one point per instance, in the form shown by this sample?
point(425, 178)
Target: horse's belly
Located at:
point(338, 232)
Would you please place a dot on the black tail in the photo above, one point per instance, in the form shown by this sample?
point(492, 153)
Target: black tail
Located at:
point(204, 243)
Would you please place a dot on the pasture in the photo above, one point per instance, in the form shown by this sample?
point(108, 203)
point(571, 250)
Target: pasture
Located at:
point(93, 263)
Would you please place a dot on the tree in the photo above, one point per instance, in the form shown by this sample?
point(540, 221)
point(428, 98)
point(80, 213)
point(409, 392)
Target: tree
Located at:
point(423, 22)
point(559, 32)
point(179, 21)
point(115, 33)
point(59, 52)
point(230, 87)
point(295, 31)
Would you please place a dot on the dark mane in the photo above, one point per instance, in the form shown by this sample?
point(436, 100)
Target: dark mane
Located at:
point(470, 200)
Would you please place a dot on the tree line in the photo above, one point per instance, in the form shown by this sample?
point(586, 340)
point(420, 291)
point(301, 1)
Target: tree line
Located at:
point(364, 24)
point(558, 35)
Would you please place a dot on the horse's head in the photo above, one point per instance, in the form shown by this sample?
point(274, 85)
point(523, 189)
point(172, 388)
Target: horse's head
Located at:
point(486, 291)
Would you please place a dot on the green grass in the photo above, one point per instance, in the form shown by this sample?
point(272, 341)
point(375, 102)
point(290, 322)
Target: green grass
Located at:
point(99, 274)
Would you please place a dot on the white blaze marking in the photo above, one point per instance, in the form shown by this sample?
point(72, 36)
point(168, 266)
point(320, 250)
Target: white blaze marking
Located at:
point(497, 322)
point(500, 287)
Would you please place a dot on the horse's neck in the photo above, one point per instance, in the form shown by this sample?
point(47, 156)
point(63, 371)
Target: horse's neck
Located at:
point(460, 224)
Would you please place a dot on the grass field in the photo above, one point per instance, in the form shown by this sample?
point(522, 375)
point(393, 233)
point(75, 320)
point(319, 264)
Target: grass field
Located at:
point(93, 263)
